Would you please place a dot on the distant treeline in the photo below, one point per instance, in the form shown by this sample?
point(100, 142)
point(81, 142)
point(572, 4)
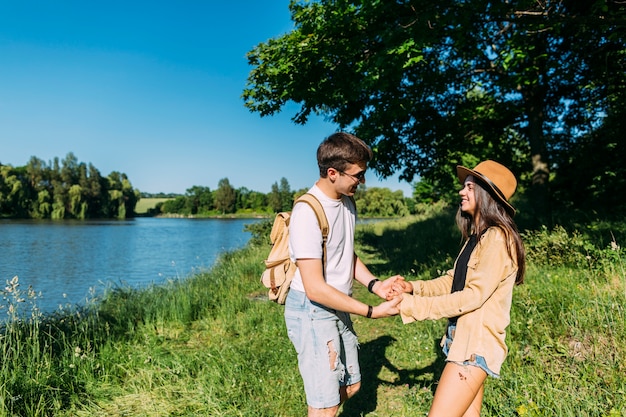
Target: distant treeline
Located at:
point(64, 190)
point(202, 201)
point(69, 189)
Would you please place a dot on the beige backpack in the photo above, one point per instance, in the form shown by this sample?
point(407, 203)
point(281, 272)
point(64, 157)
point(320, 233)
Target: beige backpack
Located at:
point(279, 268)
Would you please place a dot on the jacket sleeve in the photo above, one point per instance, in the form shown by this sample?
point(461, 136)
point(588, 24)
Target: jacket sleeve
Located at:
point(433, 287)
point(487, 266)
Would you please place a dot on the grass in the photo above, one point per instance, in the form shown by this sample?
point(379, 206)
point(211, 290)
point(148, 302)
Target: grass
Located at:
point(145, 204)
point(211, 345)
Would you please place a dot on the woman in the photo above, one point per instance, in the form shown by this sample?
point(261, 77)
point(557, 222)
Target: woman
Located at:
point(476, 295)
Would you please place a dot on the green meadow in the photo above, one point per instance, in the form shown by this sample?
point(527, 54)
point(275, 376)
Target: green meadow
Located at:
point(212, 345)
point(146, 203)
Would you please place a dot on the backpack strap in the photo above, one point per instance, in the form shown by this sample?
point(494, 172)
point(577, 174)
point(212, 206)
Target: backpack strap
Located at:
point(315, 204)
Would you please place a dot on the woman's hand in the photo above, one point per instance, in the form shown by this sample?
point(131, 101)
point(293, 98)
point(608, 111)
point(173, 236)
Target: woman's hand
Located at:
point(384, 288)
point(399, 287)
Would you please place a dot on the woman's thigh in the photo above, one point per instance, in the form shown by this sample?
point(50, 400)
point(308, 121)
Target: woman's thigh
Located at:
point(458, 387)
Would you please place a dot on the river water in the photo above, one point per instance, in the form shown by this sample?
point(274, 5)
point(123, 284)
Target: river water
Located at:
point(66, 262)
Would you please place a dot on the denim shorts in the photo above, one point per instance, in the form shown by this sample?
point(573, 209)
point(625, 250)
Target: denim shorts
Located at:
point(475, 360)
point(319, 333)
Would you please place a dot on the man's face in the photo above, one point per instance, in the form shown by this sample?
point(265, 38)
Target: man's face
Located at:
point(349, 179)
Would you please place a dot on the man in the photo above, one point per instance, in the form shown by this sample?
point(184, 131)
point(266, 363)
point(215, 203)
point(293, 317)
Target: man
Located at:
point(319, 303)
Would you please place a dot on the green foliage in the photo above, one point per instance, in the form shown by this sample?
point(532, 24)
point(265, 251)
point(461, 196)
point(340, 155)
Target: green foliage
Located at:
point(380, 202)
point(71, 189)
point(281, 196)
point(260, 232)
point(434, 84)
point(557, 248)
point(225, 197)
point(201, 201)
point(176, 205)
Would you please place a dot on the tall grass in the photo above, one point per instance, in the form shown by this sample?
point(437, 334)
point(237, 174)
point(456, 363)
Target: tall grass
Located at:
point(212, 345)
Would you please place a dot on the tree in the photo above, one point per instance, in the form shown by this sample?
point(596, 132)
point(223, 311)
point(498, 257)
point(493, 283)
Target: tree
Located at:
point(433, 84)
point(69, 189)
point(122, 197)
point(281, 196)
point(381, 202)
point(13, 192)
point(249, 200)
point(286, 195)
point(273, 199)
point(97, 196)
point(199, 199)
point(225, 197)
point(175, 205)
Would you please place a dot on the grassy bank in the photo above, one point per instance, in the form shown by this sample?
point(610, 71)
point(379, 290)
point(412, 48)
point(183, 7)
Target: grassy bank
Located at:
point(211, 345)
point(146, 204)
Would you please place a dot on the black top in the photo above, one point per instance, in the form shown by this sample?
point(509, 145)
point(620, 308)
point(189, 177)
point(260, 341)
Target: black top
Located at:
point(460, 272)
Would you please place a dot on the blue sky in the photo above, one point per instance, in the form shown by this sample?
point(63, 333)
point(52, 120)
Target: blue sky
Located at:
point(151, 89)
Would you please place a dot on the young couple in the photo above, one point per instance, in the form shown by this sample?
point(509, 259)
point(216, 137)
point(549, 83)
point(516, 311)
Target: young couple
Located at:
point(475, 296)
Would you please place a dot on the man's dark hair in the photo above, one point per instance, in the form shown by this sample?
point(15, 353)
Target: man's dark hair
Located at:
point(339, 150)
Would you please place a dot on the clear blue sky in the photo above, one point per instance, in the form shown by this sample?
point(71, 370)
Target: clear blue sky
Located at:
point(151, 89)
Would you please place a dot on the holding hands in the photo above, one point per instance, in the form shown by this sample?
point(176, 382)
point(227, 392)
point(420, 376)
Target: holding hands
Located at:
point(391, 290)
point(393, 287)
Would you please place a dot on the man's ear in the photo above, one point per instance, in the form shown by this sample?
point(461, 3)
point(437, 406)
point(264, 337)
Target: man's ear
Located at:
point(332, 174)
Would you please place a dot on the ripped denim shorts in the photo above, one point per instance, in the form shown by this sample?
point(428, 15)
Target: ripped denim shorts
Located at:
point(475, 360)
point(327, 348)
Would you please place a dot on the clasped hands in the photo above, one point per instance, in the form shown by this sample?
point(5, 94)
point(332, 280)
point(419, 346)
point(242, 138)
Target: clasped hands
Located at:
point(394, 287)
point(391, 290)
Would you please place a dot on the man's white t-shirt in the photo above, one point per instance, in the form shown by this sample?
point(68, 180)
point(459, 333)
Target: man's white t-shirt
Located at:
point(305, 239)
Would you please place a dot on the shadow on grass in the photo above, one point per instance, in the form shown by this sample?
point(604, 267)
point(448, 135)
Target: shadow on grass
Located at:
point(373, 359)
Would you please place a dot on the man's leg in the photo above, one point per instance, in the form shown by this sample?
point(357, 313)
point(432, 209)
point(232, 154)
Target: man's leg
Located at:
point(323, 412)
point(346, 393)
point(349, 391)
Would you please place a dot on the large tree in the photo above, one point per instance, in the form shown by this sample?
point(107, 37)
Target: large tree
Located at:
point(432, 84)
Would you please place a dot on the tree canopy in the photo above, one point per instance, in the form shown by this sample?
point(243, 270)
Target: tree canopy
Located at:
point(433, 84)
point(68, 189)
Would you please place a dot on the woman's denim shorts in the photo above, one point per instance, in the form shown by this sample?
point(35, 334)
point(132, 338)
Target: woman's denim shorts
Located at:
point(478, 361)
point(327, 348)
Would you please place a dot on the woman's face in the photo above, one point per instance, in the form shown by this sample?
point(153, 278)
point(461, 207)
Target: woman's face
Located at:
point(468, 196)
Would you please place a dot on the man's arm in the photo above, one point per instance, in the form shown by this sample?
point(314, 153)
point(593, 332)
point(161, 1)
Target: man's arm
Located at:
point(319, 291)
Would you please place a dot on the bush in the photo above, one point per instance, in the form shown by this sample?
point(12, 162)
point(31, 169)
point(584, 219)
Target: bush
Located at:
point(557, 248)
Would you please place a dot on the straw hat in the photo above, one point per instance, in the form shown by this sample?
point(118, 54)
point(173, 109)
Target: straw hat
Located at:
point(498, 179)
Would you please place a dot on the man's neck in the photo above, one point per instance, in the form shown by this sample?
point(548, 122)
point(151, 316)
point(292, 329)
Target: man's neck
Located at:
point(328, 188)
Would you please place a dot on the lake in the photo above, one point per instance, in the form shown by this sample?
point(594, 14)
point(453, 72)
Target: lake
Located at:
point(67, 261)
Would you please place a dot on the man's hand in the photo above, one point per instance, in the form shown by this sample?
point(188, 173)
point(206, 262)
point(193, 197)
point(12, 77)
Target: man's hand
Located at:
point(385, 290)
point(387, 308)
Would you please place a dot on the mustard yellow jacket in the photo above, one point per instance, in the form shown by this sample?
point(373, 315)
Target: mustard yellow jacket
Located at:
point(483, 306)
